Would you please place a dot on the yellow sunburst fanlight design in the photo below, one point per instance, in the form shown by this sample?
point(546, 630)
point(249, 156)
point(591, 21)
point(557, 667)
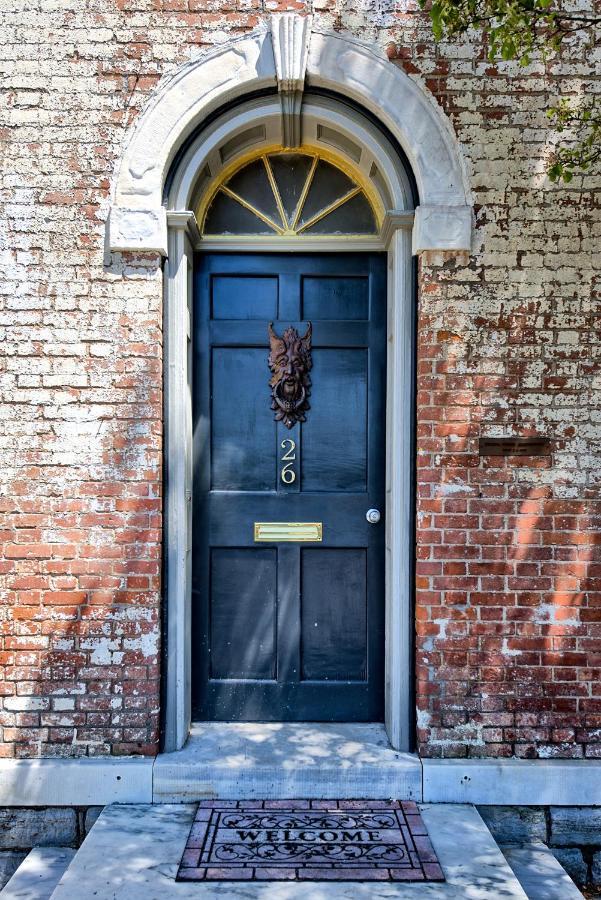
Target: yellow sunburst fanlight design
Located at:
point(286, 193)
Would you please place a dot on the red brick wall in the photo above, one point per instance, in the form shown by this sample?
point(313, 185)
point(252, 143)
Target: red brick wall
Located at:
point(81, 513)
point(508, 563)
point(508, 634)
point(508, 588)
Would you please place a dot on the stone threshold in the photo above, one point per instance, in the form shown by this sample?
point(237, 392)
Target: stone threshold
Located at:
point(297, 761)
point(247, 761)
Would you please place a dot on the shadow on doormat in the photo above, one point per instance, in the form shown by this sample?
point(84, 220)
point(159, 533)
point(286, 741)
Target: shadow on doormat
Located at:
point(309, 840)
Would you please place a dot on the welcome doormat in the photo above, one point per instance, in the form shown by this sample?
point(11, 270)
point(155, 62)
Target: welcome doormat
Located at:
point(308, 840)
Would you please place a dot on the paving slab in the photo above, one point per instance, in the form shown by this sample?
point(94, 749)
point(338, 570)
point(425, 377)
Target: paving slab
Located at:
point(133, 853)
point(247, 761)
point(38, 874)
point(539, 872)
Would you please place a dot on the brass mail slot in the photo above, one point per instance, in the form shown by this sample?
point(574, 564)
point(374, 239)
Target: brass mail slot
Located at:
point(288, 531)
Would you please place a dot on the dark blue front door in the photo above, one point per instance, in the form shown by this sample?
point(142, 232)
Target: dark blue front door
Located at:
point(289, 630)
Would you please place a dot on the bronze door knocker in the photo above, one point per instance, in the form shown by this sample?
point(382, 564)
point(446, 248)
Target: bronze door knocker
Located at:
point(290, 362)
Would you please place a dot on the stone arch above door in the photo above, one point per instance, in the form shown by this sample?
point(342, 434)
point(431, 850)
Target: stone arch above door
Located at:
point(290, 55)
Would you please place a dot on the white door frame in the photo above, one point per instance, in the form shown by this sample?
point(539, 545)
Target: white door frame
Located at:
point(142, 218)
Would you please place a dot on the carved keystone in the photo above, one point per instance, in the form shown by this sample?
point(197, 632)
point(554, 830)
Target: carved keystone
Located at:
point(291, 34)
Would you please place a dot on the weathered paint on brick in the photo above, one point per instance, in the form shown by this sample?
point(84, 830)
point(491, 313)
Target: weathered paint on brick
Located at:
point(508, 576)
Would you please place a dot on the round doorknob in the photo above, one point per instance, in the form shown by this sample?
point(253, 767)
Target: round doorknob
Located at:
point(373, 516)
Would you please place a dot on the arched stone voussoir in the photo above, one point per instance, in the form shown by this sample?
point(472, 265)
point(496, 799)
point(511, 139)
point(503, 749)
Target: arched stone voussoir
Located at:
point(412, 115)
point(137, 218)
point(198, 88)
point(361, 72)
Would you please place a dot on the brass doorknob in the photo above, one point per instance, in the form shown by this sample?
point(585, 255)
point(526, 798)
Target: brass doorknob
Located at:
point(373, 516)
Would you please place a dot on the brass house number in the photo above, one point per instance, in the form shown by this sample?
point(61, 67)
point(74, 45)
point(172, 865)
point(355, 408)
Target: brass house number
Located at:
point(287, 473)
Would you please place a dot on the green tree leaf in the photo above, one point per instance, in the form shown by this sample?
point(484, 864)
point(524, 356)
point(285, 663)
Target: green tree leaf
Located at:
point(518, 30)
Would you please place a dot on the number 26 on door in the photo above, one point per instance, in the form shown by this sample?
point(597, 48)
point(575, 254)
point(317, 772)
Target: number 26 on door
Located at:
point(287, 473)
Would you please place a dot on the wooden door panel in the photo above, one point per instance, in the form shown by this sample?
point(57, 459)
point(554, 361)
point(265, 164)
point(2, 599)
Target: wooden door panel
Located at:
point(334, 437)
point(325, 333)
point(334, 614)
point(244, 297)
point(243, 613)
point(231, 521)
point(242, 426)
point(340, 298)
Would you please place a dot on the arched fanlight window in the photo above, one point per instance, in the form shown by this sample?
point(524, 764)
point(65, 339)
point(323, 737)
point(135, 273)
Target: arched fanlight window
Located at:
point(289, 194)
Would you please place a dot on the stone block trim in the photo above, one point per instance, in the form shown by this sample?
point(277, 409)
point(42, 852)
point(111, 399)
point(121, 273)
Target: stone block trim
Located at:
point(515, 824)
point(9, 863)
point(570, 826)
point(25, 828)
point(574, 863)
point(508, 603)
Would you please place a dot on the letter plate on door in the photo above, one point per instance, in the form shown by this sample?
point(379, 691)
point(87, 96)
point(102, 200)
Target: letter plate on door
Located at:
point(288, 531)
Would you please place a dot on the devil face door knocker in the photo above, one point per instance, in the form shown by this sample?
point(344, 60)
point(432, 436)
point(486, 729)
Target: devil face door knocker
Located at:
point(290, 362)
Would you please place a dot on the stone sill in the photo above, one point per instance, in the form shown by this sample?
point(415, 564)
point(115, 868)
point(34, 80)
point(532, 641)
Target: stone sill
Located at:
point(75, 782)
point(509, 782)
point(201, 769)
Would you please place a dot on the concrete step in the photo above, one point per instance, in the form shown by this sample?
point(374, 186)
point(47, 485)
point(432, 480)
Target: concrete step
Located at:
point(39, 873)
point(541, 875)
point(133, 853)
point(247, 761)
